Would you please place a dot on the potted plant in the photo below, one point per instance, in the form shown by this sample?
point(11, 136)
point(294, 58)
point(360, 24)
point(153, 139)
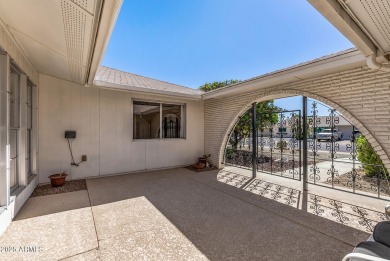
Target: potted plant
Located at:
point(204, 160)
point(58, 180)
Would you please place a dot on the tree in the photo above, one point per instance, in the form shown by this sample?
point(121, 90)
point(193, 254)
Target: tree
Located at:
point(216, 85)
point(370, 160)
point(265, 118)
point(244, 125)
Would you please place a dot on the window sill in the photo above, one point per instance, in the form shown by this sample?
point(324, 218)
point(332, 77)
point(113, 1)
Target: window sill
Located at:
point(30, 178)
point(16, 193)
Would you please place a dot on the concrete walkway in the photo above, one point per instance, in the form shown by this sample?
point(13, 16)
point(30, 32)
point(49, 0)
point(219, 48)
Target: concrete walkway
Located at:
point(342, 165)
point(171, 215)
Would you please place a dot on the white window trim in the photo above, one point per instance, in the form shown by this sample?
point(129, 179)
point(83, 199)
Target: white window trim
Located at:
point(5, 86)
point(183, 130)
point(21, 177)
point(5, 72)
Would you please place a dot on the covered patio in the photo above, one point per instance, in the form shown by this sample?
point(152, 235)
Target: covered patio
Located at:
point(130, 137)
point(173, 214)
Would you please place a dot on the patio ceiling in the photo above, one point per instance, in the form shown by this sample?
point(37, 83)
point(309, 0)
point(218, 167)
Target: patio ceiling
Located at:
point(365, 23)
point(373, 18)
point(60, 37)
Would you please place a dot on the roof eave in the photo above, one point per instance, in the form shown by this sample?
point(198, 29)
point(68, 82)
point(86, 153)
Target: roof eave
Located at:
point(108, 16)
point(118, 87)
point(333, 64)
point(335, 14)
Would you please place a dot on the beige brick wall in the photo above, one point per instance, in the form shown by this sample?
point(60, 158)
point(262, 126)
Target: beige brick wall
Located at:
point(362, 95)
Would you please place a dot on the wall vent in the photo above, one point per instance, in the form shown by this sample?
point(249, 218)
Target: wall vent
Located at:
point(75, 20)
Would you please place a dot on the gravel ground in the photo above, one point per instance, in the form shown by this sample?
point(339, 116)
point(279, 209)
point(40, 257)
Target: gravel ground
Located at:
point(264, 163)
point(363, 183)
point(69, 186)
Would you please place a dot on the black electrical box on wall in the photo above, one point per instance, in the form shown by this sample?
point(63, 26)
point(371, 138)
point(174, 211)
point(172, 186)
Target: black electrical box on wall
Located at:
point(70, 134)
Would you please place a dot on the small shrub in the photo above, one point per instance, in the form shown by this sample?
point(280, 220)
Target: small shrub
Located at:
point(370, 160)
point(282, 144)
point(229, 153)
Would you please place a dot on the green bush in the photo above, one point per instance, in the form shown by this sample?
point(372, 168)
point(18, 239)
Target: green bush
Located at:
point(282, 145)
point(229, 153)
point(369, 158)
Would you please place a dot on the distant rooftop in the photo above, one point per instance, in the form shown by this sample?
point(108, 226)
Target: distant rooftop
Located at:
point(128, 81)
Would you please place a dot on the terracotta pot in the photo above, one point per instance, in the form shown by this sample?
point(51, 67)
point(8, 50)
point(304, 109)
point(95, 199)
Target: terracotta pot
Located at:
point(199, 166)
point(57, 180)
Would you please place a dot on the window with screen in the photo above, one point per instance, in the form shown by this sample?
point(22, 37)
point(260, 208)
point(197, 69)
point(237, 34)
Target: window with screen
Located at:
point(153, 120)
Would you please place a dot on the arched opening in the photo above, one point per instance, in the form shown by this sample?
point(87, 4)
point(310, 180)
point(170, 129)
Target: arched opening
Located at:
point(325, 146)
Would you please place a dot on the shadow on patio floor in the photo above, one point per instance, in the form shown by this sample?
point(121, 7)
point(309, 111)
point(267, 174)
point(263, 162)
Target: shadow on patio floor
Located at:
point(178, 214)
point(341, 212)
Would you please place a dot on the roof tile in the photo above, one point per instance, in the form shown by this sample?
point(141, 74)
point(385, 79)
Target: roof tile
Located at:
point(126, 80)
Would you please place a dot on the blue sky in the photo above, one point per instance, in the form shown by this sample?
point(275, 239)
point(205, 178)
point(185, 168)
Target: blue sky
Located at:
point(198, 41)
point(295, 103)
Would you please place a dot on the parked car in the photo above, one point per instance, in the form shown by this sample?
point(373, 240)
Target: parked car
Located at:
point(328, 134)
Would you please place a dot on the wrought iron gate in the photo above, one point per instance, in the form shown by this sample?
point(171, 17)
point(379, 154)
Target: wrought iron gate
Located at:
point(333, 155)
point(279, 144)
point(274, 143)
point(278, 137)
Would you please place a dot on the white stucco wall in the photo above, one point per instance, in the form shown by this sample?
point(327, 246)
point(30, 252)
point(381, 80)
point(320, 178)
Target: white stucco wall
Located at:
point(103, 122)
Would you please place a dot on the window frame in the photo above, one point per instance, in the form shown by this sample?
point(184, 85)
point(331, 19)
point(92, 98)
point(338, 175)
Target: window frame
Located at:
point(14, 69)
point(183, 119)
point(29, 128)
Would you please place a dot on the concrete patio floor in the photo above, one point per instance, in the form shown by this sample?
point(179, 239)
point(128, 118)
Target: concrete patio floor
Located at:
point(171, 215)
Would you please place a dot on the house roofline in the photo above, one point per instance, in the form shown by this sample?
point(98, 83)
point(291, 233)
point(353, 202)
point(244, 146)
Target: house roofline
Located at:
point(336, 14)
point(127, 88)
point(345, 60)
point(107, 19)
point(348, 59)
point(146, 77)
